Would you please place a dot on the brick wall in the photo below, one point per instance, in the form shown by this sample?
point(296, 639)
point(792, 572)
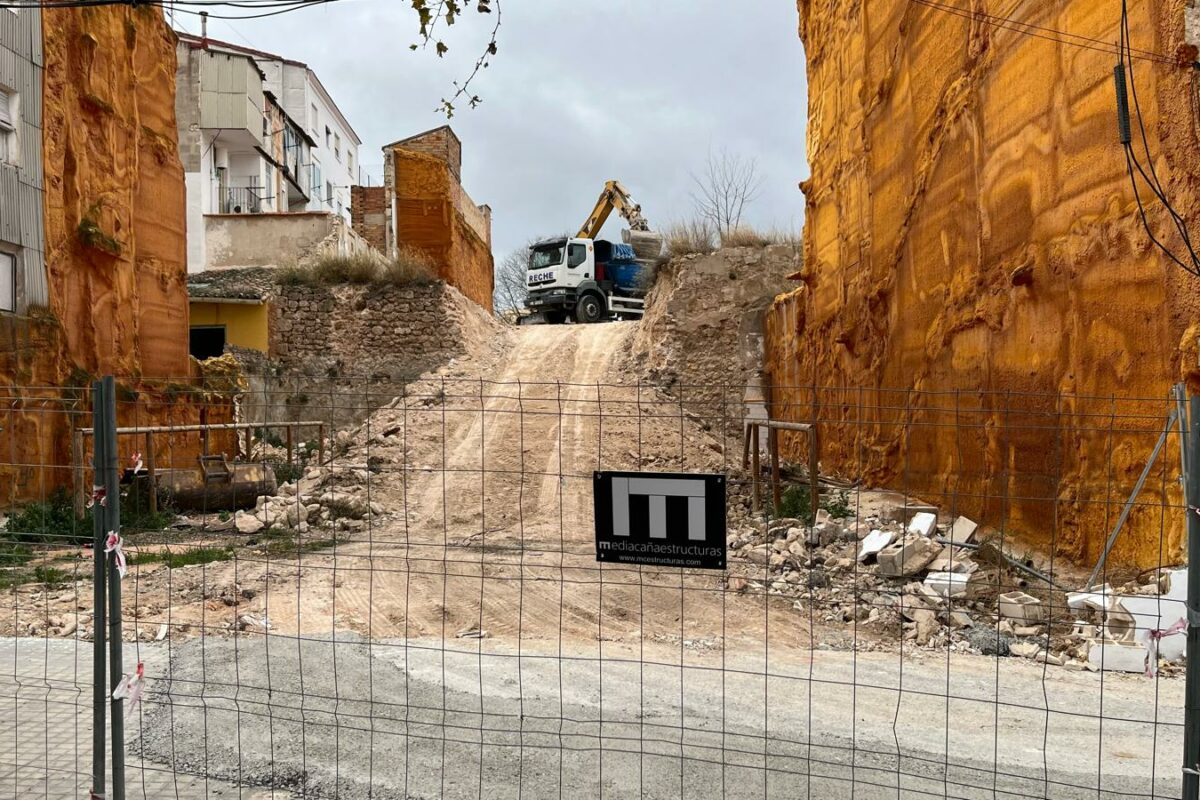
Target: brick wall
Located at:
point(442, 144)
point(435, 215)
point(368, 214)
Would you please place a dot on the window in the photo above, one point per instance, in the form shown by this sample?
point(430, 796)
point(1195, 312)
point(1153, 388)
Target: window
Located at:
point(328, 135)
point(316, 119)
point(337, 147)
point(314, 186)
point(206, 341)
point(8, 127)
point(8, 282)
point(576, 255)
point(329, 192)
point(350, 162)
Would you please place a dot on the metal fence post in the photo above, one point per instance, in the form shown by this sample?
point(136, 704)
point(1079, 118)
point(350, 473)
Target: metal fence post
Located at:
point(1191, 719)
point(112, 486)
point(99, 534)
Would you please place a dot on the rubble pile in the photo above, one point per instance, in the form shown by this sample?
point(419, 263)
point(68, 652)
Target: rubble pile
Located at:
point(1140, 628)
point(901, 572)
point(334, 499)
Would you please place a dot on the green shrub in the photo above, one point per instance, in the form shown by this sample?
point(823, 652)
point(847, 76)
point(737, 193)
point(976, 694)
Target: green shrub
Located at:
point(286, 473)
point(838, 505)
point(796, 502)
point(52, 521)
point(183, 558)
point(53, 577)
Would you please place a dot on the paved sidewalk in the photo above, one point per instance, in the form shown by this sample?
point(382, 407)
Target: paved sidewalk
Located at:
point(46, 730)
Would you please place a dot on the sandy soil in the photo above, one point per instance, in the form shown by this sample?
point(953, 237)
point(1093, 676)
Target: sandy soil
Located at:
point(483, 474)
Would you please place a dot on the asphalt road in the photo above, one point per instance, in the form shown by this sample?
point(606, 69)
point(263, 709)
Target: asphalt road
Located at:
point(471, 720)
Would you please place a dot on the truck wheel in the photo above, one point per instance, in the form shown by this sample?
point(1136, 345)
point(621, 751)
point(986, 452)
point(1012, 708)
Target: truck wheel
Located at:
point(590, 308)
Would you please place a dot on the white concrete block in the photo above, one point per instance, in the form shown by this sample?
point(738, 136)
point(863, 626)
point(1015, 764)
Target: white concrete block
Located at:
point(923, 524)
point(1020, 607)
point(1117, 657)
point(948, 584)
point(875, 541)
point(963, 530)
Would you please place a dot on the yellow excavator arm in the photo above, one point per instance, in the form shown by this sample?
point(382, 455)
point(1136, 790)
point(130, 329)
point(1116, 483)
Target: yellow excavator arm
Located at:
point(614, 196)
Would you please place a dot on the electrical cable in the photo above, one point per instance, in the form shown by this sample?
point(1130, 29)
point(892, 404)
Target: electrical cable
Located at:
point(1132, 162)
point(1041, 31)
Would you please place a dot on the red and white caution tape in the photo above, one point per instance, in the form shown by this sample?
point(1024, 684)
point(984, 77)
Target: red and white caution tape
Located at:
point(1180, 626)
point(98, 496)
point(131, 687)
point(113, 545)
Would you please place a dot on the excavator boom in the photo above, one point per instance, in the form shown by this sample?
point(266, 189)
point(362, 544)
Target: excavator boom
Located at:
point(614, 196)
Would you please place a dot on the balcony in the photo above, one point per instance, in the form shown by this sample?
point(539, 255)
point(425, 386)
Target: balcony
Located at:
point(245, 200)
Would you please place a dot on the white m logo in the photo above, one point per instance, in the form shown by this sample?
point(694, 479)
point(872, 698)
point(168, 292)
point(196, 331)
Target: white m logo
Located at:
point(658, 490)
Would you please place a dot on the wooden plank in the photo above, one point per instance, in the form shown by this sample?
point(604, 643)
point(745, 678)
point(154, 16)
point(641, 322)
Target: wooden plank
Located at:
point(151, 474)
point(773, 447)
point(756, 500)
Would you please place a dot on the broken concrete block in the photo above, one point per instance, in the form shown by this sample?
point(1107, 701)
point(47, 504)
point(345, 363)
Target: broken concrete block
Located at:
point(1097, 599)
point(875, 541)
point(922, 524)
point(1024, 649)
point(247, 523)
point(947, 584)
point(907, 557)
point(953, 559)
point(1020, 607)
point(925, 622)
point(1117, 657)
point(963, 530)
point(961, 619)
point(904, 513)
point(1050, 658)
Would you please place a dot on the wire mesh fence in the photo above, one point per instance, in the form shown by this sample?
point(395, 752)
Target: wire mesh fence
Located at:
point(340, 593)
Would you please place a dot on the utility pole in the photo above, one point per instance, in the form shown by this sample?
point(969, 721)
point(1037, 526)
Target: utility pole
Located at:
point(99, 535)
point(1191, 718)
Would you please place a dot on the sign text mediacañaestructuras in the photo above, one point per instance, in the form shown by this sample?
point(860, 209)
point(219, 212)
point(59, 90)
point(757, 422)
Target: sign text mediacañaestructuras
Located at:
point(660, 518)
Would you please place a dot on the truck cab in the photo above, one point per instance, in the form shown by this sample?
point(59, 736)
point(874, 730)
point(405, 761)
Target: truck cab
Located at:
point(570, 278)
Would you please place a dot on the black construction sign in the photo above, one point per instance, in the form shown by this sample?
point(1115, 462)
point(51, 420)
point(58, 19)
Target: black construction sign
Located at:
point(660, 518)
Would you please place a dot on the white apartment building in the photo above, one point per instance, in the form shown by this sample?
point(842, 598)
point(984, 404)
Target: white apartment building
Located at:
point(333, 163)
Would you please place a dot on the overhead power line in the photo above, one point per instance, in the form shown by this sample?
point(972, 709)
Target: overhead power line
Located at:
point(1191, 261)
point(261, 8)
point(1043, 32)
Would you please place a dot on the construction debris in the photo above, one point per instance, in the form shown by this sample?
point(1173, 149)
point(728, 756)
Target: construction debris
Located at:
point(1020, 607)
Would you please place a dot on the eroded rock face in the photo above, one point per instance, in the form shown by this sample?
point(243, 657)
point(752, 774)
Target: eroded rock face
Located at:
point(114, 237)
point(115, 245)
point(977, 283)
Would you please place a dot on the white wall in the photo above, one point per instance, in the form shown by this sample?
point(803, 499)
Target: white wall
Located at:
point(297, 92)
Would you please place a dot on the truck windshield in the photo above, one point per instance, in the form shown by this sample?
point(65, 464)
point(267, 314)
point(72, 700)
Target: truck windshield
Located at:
point(550, 255)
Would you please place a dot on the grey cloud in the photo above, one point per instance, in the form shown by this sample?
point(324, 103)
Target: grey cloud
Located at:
point(580, 92)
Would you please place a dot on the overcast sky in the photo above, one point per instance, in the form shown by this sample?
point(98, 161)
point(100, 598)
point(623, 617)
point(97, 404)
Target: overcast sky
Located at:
point(581, 91)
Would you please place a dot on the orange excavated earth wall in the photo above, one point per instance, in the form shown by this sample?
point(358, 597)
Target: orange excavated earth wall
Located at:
point(981, 316)
point(431, 213)
point(115, 248)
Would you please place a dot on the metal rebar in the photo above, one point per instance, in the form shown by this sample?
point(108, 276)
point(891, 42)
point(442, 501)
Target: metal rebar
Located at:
point(99, 534)
point(1137, 489)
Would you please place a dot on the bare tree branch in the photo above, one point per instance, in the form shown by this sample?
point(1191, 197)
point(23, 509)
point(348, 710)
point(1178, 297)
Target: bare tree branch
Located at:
point(728, 185)
point(429, 13)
